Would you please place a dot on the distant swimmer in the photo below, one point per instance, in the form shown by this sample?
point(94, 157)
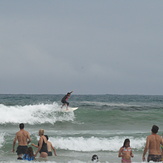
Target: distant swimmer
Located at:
point(64, 100)
point(95, 158)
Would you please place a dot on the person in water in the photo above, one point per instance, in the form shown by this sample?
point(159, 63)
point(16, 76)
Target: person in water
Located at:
point(162, 148)
point(126, 152)
point(29, 154)
point(95, 158)
point(64, 100)
point(50, 147)
point(153, 144)
point(42, 145)
point(23, 138)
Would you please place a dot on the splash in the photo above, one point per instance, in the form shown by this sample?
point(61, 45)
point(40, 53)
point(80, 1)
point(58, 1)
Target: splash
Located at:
point(2, 139)
point(34, 114)
point(96, 143)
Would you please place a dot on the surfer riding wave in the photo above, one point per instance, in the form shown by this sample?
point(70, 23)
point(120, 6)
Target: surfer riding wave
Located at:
point(64, 100)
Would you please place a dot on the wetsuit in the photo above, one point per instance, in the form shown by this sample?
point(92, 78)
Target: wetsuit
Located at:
point(65, 98)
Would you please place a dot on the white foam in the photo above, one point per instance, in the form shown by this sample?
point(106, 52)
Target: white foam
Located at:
point(95, 143)
point(33, 114)
point(2, 139)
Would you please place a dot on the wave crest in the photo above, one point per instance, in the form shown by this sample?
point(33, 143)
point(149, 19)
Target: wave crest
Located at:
point(34, 114)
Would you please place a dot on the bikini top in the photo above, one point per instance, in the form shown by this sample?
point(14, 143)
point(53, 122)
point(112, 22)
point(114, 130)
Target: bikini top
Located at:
point(128, 149)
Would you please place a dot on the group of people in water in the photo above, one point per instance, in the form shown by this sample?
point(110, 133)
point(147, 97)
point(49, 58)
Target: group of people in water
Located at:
point(154, 147)
point(24, 152)
point(44, 146)
point(154, 144)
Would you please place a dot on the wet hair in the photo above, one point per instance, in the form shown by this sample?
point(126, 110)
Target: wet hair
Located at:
point(46, 137)
point(21, 125)
point(155, 129)
point(41, 132)
point(30, 151)
point(95, 158)
point(126, 141)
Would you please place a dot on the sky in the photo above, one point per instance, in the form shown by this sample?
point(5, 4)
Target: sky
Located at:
point(85, 46)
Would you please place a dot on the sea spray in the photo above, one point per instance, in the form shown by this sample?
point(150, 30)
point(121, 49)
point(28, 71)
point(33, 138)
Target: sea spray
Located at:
point(34, 114)
point(99, 126)
point(95, 143)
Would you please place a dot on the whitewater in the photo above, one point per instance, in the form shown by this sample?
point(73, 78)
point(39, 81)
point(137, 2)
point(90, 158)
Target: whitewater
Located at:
point(99, 126)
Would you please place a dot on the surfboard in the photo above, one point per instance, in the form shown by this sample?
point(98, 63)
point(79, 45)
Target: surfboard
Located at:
point(70, 109)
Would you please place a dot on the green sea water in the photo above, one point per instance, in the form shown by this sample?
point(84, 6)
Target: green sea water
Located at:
point(99, 126)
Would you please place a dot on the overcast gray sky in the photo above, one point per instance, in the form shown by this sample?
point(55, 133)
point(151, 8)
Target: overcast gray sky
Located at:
point(88, 46)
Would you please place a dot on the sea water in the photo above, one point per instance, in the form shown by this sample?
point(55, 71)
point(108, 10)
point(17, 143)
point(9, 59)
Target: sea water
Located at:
point(99, 126)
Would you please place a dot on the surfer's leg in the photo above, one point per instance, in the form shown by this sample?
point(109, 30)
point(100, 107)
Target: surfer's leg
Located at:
point(67, 105)
point(62, 105)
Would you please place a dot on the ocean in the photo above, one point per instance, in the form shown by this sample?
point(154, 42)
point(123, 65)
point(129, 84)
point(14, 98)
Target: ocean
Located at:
point(99, 126)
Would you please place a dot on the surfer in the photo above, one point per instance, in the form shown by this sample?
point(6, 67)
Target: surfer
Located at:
point(64, 100)
point(23, 138)
point(152, 146)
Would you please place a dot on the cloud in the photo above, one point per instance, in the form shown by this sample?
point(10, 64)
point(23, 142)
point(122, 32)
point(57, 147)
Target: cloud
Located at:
point(99, 47)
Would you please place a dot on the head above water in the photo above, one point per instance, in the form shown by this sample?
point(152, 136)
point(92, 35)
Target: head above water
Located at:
point(30, 151)
point(21, 125)
point(41, 132)
point(126, 142)
point(95, 158)
point(155, 129)
point(46, 137)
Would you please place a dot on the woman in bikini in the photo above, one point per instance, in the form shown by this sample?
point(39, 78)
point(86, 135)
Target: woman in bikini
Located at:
point(126, 152)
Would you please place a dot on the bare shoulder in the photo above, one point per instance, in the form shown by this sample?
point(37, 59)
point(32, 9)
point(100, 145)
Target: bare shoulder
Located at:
point(26, 132)
point(121, 149)
point(18, 133)
point(48, 142)
point(153, 137)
